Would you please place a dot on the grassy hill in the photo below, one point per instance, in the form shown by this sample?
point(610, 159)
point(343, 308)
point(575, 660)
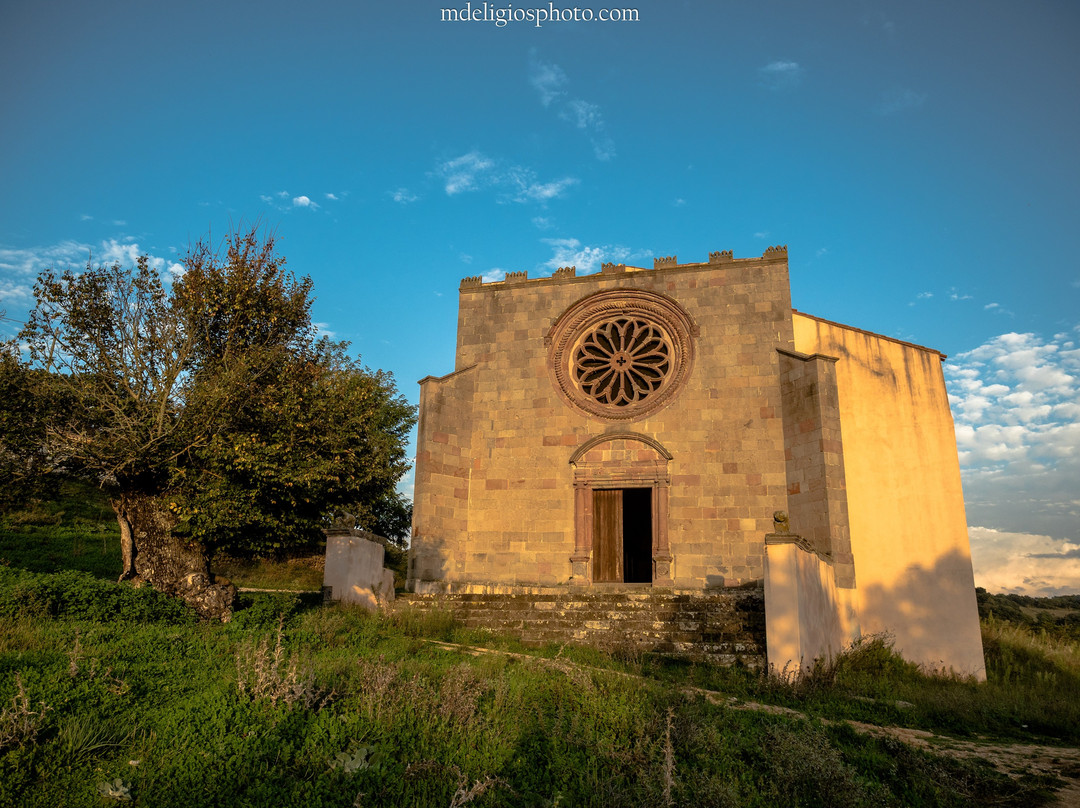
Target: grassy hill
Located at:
point(113, 694)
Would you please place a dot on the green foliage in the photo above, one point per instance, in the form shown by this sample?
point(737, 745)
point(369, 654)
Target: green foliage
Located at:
point(29, 401)
point(412, 723)
point(1059, 616)
point(212, 397)
point(81, 596)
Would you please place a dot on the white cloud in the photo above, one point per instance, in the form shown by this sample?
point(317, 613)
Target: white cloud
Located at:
point(19, 267)
point(403, 196)
point(1016, 409)
point(581, 114)
point(465, 173)
point(494, 274)
point(323, 331)
point(512, 183)
point(761, 234)
point(549, 80)
point(781, 75)
point(303, 202)
point(569, 252)
point(331, 197)
point(1024, 563)
point(899, 100)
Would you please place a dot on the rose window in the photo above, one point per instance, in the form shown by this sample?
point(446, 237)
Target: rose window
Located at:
point(622, 362)
point(621, 354)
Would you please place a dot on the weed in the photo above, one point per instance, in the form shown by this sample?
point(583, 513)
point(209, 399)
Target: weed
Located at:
point(116, 790)
point(459, 693)
point(669, 760)
point(805, 769)
point(466, 793)
point(82, 736)
point(19, 724)
point(266, 673)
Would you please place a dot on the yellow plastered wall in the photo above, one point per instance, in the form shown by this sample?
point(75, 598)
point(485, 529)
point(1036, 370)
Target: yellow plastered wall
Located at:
point(905, 503)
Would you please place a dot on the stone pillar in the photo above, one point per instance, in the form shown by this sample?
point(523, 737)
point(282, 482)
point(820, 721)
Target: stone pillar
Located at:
point(579, 561)
point(661, 549)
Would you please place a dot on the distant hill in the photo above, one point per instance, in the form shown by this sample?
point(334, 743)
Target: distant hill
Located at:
point(1057, 615)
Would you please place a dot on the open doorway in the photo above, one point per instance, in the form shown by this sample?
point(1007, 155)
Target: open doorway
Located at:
point(622, 535)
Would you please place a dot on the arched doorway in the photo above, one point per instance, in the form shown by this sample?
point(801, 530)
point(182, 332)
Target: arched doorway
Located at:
point(621, 503)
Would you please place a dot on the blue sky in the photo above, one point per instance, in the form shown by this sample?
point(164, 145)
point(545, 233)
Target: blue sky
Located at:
point(919, 159)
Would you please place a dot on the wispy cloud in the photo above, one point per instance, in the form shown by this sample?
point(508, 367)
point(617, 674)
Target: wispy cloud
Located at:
point(475, 171)
point(997, 308)
point(466, 173)
point(403, 196)
point(570, 252)
point(1016, 409)
point(549, 81)
point(284, 201)
point(781, 75)
point(899, 100)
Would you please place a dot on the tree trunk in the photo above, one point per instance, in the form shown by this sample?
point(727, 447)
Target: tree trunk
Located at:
point(151, 553)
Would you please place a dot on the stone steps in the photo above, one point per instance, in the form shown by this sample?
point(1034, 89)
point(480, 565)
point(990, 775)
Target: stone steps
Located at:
point(726, 627)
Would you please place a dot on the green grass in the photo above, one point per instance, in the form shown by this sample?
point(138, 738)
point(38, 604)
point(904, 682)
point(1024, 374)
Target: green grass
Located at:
point(322, 704)
point(78, 531)
point(109, 691)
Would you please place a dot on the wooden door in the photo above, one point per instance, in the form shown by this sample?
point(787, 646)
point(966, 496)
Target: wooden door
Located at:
point(607, 535)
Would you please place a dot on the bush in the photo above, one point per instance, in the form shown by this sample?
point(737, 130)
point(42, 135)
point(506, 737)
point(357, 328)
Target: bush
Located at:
point(81, 596)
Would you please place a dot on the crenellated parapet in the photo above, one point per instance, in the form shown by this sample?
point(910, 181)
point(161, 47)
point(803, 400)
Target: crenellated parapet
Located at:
point(664, 263)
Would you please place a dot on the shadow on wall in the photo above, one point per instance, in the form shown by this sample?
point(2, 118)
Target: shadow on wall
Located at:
point(932, 614)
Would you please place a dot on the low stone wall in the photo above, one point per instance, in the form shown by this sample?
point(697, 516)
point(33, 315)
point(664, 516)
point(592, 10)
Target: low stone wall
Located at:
point(727, 627)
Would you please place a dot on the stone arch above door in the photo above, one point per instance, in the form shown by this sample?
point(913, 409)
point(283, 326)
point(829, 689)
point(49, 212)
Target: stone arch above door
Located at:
point(614, 461)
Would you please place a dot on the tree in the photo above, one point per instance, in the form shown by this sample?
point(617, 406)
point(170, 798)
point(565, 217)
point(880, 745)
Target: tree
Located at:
point(209, 411)
point(29, 402)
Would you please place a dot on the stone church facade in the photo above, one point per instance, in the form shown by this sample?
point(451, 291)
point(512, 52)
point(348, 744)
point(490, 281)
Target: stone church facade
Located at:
point(683, 429)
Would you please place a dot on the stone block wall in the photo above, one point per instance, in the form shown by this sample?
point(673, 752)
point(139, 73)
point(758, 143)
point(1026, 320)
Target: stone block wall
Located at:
point(723, 429)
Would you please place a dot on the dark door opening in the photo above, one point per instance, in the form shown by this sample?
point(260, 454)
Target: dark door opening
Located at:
point(622, 535)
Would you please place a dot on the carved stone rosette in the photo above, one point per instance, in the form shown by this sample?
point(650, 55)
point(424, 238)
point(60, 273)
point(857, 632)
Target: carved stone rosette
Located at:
point(621, 354)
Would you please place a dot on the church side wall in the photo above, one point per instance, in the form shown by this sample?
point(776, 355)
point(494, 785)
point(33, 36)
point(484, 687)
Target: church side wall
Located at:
point(817, 490)
point(441, 492)
point(905, 503)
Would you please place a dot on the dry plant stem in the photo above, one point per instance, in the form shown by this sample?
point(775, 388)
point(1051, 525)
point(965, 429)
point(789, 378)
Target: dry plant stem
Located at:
point(265, 674)
point(669, 760)
point(19, 724)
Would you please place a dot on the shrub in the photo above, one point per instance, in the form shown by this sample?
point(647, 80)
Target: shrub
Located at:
point(81, 596)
